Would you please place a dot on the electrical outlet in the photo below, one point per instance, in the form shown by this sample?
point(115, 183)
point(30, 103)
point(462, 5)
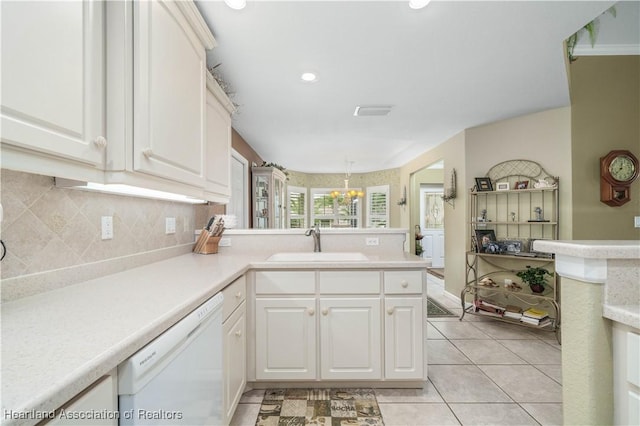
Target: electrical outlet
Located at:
point(371, 241)
point(636, 221)
point(170, 225)
point(224, 242)
point(107, 227)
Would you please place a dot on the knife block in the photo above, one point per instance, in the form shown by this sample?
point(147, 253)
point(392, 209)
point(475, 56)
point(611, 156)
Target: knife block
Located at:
point(206, 244)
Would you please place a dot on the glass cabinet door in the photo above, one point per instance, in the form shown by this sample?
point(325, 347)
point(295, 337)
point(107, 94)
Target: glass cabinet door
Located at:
point(261, 197)
point(268, 197)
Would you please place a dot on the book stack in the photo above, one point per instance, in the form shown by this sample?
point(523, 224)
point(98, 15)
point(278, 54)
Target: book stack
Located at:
point(513, 312)
point(488, 308)
point(536, 317)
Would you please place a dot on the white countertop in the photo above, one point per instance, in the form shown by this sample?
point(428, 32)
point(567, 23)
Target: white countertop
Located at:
point(616, 264)
point(57, 343)
point(591, 249)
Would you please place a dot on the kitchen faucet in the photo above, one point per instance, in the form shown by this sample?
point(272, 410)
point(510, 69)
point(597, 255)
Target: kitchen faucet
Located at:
point(315, 231)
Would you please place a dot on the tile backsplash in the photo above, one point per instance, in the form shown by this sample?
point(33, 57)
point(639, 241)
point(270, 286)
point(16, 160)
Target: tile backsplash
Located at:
point(48, 228)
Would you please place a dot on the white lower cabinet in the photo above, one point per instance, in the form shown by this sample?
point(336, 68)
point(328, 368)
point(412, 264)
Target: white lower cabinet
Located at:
point(96, 406)
point(626, 375)
point(334, 328)
point(234, 360)
point(404, 337)
point(285, 338)
point(350, 338)
point(234, 354)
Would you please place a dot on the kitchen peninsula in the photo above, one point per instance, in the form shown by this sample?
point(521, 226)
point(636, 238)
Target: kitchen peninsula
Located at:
point(600, 298)
point(57, 343)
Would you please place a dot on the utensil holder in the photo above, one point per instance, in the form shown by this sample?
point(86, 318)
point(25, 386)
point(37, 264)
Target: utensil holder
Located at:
point(206, 244)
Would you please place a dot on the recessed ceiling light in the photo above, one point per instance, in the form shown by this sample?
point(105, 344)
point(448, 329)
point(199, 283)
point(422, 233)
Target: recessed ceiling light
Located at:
point(418, 4)
point(309, 77)
point(236, 4)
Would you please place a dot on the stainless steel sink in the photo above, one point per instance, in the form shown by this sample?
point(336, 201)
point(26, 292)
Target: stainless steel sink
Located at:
point(318, 257)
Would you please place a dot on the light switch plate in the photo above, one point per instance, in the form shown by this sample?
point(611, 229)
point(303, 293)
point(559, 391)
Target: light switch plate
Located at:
point(372, 241)
point(170, 225)
point(107, 227)
point(636, 221)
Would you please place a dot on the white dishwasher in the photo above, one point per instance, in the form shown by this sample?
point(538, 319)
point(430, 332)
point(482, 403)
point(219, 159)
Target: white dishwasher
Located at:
point(177, 378)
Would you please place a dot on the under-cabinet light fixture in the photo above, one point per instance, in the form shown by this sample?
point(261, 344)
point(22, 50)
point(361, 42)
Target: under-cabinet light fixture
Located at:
point(128, 190)
point(418, 4)
point(236, 4)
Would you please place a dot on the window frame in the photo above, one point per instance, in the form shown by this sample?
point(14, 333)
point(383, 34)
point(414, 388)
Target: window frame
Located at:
point(335, 216)
point(305, 215)
point(385, 189)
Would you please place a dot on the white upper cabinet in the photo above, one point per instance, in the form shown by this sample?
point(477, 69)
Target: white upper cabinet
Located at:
point(218, 153)
point(53, 80)
point(171, 133)
point(169, 92)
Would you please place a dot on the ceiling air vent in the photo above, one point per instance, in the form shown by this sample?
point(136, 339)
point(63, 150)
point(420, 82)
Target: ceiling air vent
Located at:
point(372, 110)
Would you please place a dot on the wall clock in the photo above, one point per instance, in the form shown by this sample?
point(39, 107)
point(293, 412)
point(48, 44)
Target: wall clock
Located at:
point(618, 170)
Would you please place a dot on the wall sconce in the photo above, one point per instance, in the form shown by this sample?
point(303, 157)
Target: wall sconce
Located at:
point(403, 200)
point(451, 194)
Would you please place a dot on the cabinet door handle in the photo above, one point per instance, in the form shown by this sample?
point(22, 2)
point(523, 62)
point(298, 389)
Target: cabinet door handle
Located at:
point(238, 295)
point(311, 311)
point(404, 283)
point(238, 333)
point(100, 142)
point(325, 311)
point(147, 152)
point(390, 311)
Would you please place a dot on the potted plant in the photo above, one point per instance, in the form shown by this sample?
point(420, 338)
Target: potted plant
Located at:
point(535, 277)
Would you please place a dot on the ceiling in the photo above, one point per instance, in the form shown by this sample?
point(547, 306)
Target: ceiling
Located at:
point(450, 66)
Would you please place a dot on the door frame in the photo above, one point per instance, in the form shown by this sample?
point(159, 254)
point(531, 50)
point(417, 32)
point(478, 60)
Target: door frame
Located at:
point(246, 202)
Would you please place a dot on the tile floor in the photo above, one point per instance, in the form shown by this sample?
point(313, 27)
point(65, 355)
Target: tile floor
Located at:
point(481, 372)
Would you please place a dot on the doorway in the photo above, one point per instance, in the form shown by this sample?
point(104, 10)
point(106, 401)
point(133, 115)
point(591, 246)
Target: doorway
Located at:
point(238, 204)
point(432, 223)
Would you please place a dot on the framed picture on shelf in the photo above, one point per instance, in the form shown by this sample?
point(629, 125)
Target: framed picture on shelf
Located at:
point(502, 186)
point(483, 184)
point(523, 184)
point(512, 246)
point(485, 241)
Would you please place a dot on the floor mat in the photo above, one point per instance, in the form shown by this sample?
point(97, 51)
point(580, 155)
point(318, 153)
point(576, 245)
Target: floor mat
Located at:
point(327, 407)
point(436, 272)
point(435, 309)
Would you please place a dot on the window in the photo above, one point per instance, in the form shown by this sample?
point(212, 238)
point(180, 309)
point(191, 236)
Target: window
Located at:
point(329, 212)
point(297, 207)
point(378, 206)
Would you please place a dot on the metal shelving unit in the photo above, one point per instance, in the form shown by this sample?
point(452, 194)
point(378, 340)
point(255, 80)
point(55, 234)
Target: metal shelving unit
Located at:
point(516, 217)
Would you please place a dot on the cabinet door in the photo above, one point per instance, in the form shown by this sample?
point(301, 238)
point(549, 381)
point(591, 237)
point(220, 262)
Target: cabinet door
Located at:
point(234, 359)
point(285, 339)
point(101, 397)
point(403, 338)
point(218, 158)
point(52, 78)
point(350, 338)
point(169, 83)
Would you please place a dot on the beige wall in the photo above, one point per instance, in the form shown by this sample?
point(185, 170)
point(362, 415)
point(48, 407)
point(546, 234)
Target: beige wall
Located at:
point(389, 177)
point(453, 152)
point(605, 115)
point(543, 137)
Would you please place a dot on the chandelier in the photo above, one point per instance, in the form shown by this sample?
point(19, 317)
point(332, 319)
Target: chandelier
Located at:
point(346, 193)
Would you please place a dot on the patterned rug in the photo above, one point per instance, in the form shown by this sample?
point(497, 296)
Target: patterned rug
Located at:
point(326, 407)
point(434, 309)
